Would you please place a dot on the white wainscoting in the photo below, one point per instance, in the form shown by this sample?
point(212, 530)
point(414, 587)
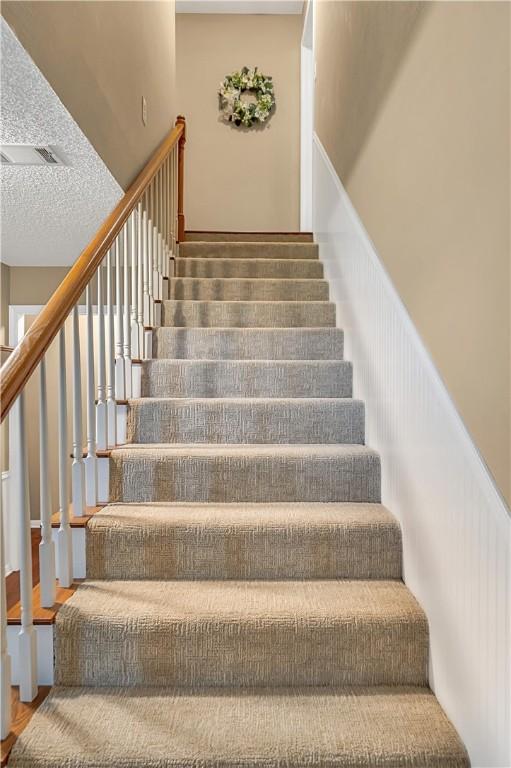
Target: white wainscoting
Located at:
point(456, 527)
point(9, 527)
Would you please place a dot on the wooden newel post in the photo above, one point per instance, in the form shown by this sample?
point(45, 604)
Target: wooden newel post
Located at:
point(180, 180)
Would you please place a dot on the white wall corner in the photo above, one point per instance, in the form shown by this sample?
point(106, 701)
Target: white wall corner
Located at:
point(456, 526)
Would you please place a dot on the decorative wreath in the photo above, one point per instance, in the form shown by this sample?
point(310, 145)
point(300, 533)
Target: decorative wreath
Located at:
point(245, 113)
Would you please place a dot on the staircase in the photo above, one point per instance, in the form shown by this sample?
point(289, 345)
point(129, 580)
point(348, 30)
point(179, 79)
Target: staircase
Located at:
point(244, 603)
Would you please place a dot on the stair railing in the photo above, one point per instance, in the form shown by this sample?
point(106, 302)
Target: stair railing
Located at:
point(124, 271)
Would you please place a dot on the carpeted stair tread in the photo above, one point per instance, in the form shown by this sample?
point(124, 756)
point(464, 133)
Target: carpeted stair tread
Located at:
point(245, 420)
point(248, 314)
point(249, 250)
point(380, 727)
point(253, 267)
point(247, 289)
point(249, 343)
point(244, 541)
point(318, 632)
point(247, 378)
point(254, 473)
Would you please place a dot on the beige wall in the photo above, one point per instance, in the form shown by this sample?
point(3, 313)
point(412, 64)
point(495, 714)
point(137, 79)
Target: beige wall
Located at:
point(34, 285)
point(5, 288)
point(101, 58)
point(413, 110)
point(239, 179)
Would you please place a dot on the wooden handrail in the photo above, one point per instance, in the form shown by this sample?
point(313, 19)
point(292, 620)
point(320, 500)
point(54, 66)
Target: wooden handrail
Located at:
point(27, 355)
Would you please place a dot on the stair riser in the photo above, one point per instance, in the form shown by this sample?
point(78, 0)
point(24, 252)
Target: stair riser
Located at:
point(250, 422)
point(232, 289)
point(249, 343)
point(165, 378)
point(221, 652)
point(249, 268)
point(223, 552)
point(140, 478)
point(247, 250)
point(239, 314)
point(195, 236)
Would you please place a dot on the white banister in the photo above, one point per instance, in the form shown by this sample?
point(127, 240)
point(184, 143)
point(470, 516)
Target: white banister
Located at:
point(134, 241)
point(163, 246)
point(165, 220)
point(5, 659)
point(27, 637)
point(77, 467)
point(126, 351)
point(160, 231)
point(157, 277)
point(140, 282)
point(101, 408)
point(145, 260)
point(91, 478)
point(110, 386)
point(150, 289)
point(174, 202)
point(64, 542)
point(169, 210)
point(46, 546)
point(120, 371)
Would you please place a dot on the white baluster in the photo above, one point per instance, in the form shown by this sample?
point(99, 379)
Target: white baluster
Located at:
point(91, 469)
point(164, 218)
point(120, 370)
point(157, 265)
point(46, 547)
point(135, 337)
point(140, 282)
point(145, 259)
point(27, 636)
point(78, 466)
point(167, 213)
point(174, 201)
point(126, 351)
point(5, 659)
point(171, 204)
point(101, 408)
point(163, 264)
point(110, 386)
point(150, 228)
point(64, 542)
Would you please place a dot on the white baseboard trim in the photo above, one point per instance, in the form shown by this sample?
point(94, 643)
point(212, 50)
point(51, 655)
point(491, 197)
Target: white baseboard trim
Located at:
point(456, 526)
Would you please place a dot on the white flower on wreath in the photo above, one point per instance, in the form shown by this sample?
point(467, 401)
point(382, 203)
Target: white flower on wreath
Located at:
point(235, 110)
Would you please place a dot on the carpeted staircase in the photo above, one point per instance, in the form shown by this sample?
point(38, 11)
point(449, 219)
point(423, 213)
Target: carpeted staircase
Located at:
point(244, 604)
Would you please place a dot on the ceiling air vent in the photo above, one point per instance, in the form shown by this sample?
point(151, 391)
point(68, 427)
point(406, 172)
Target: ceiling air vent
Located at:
point(26, 154)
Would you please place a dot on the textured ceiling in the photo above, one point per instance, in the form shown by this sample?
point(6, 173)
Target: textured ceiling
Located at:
point(48, 214)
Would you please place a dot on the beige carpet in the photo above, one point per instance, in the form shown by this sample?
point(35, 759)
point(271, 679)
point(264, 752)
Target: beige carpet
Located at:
point(241, 633)
point(246, 420)
point(244, 603)
point(244, 541)
point(240, 728)
point(248, 343)
point(251, 267)
point(247, 378)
